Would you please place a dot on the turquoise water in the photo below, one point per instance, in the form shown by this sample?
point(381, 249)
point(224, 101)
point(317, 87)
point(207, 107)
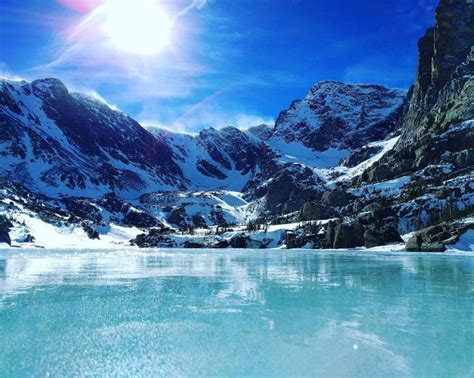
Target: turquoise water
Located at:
point(233, 313)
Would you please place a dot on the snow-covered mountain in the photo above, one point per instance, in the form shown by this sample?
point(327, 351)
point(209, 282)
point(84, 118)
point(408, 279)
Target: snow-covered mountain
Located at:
point(57, 143)
point(224, 158)
point(61, 143)
point(381, 163)
point(338, 116)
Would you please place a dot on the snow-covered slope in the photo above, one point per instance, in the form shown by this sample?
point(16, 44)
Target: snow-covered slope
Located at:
point(196, 209)
point(381, 163)
point(226, 158)
point(59, 143)
point(335, 118)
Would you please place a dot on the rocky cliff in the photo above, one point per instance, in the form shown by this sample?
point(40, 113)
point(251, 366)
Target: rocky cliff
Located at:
point(436, 124)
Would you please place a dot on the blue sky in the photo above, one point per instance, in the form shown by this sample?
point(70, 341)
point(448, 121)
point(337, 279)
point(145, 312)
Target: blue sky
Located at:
point(227, 62)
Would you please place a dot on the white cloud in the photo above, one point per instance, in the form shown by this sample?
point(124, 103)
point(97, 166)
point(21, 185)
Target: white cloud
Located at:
point(6, 73)
point(98, 97)
point(216, 119)
point(244, 121)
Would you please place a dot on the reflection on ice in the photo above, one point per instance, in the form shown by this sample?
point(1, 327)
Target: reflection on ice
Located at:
point(240, 271)
point(243, 312)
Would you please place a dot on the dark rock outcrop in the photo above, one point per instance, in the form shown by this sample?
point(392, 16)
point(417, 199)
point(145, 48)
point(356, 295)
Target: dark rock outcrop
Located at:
point(360, 155)
point(5, 237)
point(337, 197)
point(189, 244)
point(245, 241)
point(5, 227)
point(353, 233)
point(374, 237)
point(435, 238)
point(440, 105)
point(153, 240)
point(140, 219)
point(90, 231)
point(314, 210)
point(348, 235)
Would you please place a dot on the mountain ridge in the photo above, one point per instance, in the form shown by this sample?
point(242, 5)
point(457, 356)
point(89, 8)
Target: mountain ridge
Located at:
point(347, 166)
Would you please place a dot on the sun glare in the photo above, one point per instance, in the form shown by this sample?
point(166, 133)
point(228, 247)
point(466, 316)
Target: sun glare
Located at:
point(138, 27)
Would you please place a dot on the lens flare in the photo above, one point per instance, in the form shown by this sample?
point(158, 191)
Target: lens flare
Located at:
point(84, 6)
point(137, 27)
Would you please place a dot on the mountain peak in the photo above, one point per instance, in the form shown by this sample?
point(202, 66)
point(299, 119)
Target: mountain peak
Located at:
point(332, 86)
point(49, 87)
point(339, 115)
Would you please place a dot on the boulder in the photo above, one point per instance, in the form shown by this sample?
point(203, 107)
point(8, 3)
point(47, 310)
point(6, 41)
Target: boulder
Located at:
point(5, 237)
point(293, 239)
point(381, 236)
point(348, 236)
point(314, 210)
point(29, 238)
point(435, 238)
point(309, 234)
point(221, 244)
point(192, 244)
point(140, 220)
point(238, 241)
point(90, 231)
point(5, 227)
point(243, 241)
point(337, 197)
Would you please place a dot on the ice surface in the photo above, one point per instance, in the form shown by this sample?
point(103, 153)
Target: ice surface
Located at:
point(235, 313)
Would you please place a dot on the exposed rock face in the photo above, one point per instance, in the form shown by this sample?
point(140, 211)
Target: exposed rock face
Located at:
point(439, 114)
point(354, 233)
point(5, 227)
point(381, 164)
point(195, 209)
point(153, 240)
point(287, 190)
point(348, 236)
point(360, 155)
point(215, 158)
point(435, 238)
point(140, 219)
point(381, 236)
point(442, 94)
point(342, 116)
point(314, 210)
point(263, 132)
point(91, 232)
point(337, 197)
point(310, 235)
point(63, 143)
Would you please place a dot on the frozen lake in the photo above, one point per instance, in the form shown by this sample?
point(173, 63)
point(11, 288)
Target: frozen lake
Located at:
point(235, 312)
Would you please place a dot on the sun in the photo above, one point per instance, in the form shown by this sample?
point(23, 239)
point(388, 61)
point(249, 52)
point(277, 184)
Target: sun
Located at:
point(137, 27)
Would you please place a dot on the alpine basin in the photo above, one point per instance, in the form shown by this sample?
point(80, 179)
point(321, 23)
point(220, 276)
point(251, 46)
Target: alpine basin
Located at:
point(235, 312)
